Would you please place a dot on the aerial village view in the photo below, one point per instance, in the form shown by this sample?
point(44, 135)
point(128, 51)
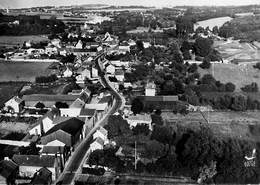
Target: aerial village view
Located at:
point(129, 94)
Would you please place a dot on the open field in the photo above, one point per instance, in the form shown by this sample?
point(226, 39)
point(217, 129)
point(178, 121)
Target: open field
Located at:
point(232, 49)
point(223, 124)
point(8, 127)
point(240, 75)
point(23, 71)
point(19, 40)
point(8, 90)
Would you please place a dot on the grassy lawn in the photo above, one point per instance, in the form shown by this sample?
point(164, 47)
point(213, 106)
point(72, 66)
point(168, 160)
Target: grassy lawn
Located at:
point(50, 89)
point(15, 40)
point(223, 124)
point(8, 90)
point(238, 75)
point(23, 71)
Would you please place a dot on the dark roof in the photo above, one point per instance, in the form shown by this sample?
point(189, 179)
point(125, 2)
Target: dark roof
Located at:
point(70, 126)
point(41, 177)
point(34, 160)
point(106, 99)
point(7, 167)
point(52, 149)
point(48, 97)
point(159, 98)
point(87, 112)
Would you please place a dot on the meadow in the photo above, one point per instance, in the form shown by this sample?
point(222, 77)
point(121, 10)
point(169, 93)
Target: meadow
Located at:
point(19, 40)
point(23, 71)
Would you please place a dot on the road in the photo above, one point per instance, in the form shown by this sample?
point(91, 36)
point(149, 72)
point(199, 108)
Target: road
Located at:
point(68, 175)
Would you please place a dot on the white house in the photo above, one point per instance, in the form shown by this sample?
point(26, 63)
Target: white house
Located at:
point(124, 47)
point(111, 69)
point(94, 72)
point(70, 112)
point(67, 73)
point(134, 120)
point(51, 49)
point(79, 45)
point(15, 103)
point(45, 124)
point(98, 144)
point(56, 42)
point(150, 89)
point(85, 74)
point(102, 133)
point(120, 75)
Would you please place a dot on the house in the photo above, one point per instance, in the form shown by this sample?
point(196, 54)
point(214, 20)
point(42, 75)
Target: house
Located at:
point(94, 72)
point(106, 99)
point(107, 37)
point(79, 45)
point(98, 144)
point(85, 74)
point(56, 42)
point(43, 177)
point(15, 104)
point(150, 89)
point(120, 75)
point(8, 172)
point(102, 133)
point(47, 99)
point(101, 108)
point(70, 112)
point(69, 131)
point(134, 120)
point(124, 46)
point(110, 69)
point(58, 151)
point(67, 73)
point(30, 164)
point(51, 49)
point(45, 124)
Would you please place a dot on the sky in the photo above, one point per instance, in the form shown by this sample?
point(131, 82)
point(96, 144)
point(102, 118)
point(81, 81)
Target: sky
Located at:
point(157, 3)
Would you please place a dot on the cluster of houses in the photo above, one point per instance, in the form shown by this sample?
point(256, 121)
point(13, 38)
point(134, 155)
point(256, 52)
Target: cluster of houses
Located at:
point(57, 133)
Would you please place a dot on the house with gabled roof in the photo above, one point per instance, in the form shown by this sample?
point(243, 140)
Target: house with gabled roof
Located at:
point(69, 131)
point(30, 164)
point(45, 123)
point(98, 144)
point(102, 133)
point(43, 177)
point(8, 172)
point(16, 104)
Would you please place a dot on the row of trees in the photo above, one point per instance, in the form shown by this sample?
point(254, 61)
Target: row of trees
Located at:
point(46, 79)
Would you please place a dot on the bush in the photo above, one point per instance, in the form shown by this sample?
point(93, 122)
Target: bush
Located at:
point(257, 65)
point(46, 79)
point(253, 87)
point(205, 63)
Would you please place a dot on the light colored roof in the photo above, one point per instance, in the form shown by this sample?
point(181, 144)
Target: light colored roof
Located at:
point(55, 143)
point(141, 117)
point(78, 103)
point(15, 99)
point(103, 131)
point(99, 106)
point(99, 141)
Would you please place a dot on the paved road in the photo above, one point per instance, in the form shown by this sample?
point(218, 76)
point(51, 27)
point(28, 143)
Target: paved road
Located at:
point(78, 156)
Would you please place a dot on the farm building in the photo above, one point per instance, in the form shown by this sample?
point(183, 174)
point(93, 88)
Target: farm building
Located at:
point(8, 172)
point(69, 131)
point(159, 102)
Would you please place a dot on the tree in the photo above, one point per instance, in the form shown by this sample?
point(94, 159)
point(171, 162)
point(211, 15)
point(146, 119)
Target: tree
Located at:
point(141, 129)
point(257, 65)
point(238, 103)
point(230, 87)
point(60, 105)
point(32, 149)
point(203, 46)
point(137, 106)
point(68, 59)
point(96, 157)
point(40, 105)
point(215, 30)
point(208, 79)
point(139, 45)
point(207, 172)
point(205, 63)
point(153, 149)
point(192, 68)
point(253, 87)
point(117, 126)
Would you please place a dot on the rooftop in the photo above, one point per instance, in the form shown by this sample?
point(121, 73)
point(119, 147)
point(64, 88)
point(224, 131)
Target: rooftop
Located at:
point(41, 177)
point(7, 167)
point(70, 126)
point(48, 97)
point(159, 98)
point(34, 160)
point(87, 112)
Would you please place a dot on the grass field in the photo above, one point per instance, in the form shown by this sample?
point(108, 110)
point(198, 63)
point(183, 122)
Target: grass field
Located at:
point(239, 75)
point(8, 90)
point(223, 124)
point(15, 40)
point(23, 71)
